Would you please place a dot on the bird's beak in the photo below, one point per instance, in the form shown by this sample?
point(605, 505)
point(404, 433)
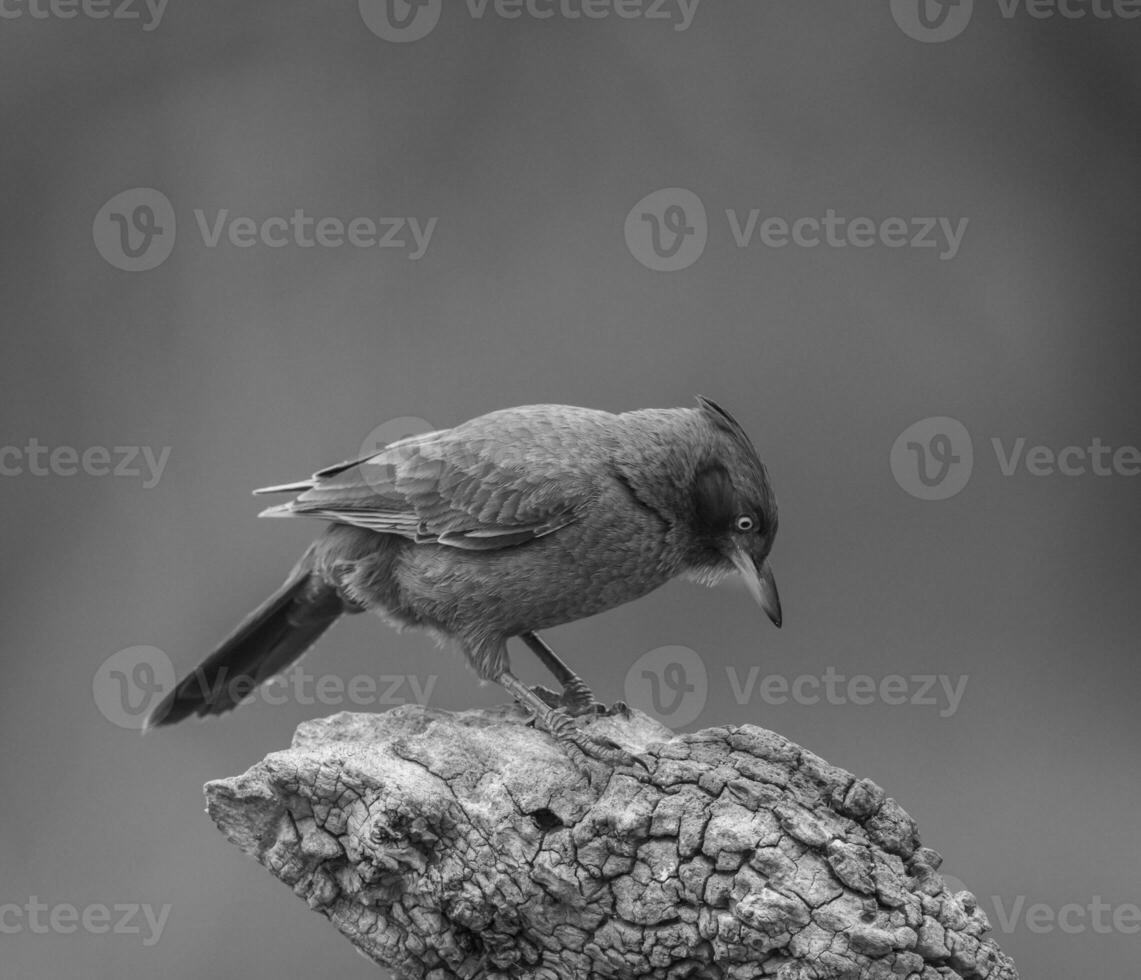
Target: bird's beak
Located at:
point(761, 584)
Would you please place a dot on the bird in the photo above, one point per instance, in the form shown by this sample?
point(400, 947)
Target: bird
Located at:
point(513, 522)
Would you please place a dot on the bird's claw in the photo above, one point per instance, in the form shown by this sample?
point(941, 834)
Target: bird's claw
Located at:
point(563, 727)
point(618, 708)
point(578, 699)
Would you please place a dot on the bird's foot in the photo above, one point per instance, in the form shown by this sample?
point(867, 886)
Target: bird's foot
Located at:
point(579, 699)
point(551, 698)
point(547, 710)
point(565, 729)
point(617, 708)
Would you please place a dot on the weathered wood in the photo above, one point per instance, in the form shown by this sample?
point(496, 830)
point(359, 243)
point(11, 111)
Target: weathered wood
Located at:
point(470, 845)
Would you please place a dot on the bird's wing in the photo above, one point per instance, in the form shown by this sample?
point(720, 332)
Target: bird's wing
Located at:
point(470, 487)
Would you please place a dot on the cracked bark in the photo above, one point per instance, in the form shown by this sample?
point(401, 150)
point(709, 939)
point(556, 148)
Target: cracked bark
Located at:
point(470, 845)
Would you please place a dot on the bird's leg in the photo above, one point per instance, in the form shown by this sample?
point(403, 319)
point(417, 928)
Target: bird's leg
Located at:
point(578, 698)
point(553, 698)
point(562, 725)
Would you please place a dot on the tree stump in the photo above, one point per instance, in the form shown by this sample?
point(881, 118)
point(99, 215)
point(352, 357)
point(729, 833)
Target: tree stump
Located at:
point(471, 845)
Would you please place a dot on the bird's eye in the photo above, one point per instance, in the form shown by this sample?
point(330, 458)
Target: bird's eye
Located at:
point(745, 523)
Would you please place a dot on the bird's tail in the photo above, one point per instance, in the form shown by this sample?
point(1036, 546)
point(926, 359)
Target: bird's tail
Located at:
point(274, 635)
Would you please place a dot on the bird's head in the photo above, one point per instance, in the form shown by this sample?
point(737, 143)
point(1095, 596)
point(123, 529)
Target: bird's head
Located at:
point(734, 511)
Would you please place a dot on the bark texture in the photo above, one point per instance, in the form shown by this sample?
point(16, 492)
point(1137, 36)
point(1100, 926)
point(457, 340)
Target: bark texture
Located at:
point(470, 845)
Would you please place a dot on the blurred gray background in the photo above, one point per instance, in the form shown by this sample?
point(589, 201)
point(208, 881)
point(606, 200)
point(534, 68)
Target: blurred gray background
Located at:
point(530, 141)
